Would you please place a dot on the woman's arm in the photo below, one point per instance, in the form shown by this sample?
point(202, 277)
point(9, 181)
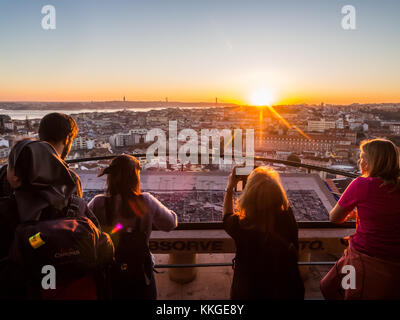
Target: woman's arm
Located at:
point(228, 202)
point(164, 219)
point(228, 198)
point(346, 204)
point(338, 215)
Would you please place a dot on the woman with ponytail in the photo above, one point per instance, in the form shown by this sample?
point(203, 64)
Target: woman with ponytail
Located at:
point(124, 207)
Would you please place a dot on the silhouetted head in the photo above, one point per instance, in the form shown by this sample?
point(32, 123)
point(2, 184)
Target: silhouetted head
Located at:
point(59, 130)
point(380, 158)
point(262, 199)
point(123, 178)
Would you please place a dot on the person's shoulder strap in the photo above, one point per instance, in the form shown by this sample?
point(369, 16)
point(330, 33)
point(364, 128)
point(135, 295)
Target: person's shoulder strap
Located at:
point(77, 208)
point(136, 217)
point(73, 206)
point(138, 221)
point(109, 214)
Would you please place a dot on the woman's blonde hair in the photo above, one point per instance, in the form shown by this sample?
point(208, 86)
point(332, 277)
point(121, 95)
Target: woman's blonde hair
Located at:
point(383, 160)
point(262, 199)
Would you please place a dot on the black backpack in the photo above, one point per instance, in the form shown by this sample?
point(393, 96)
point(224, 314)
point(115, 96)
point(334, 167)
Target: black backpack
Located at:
point(9, 220)
point(11, 286)
point(131, 274)
point(71, 243)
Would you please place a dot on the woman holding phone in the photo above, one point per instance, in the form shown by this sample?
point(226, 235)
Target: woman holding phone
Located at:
point(265, 232)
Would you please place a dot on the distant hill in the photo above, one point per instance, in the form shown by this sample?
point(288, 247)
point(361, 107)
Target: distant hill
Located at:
point(104, 105)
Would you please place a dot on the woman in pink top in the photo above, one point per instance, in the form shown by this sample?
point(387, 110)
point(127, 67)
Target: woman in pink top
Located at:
point(374, 199)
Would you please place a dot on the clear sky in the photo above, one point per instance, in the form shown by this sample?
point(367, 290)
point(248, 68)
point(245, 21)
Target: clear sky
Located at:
point(196, 50)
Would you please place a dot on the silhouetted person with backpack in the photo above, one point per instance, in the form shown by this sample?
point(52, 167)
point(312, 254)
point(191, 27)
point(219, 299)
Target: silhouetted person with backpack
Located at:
point(129, 215)
point(52, 226)
point(266, 237)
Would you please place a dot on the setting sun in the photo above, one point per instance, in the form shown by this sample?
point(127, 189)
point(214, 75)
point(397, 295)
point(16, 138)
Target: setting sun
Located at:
point(262, 97)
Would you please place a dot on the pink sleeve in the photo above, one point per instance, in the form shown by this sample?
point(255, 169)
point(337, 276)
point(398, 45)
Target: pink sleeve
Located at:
point(349, 198)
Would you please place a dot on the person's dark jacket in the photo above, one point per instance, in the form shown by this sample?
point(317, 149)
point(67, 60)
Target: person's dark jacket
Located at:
point(46, 180)
point(5, 188)
point(265, 266)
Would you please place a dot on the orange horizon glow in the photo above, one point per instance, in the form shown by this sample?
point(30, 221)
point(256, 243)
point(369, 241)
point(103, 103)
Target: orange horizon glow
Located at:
point(242, 101)
point(235, 94)
point(228, 90)
point(248, 90)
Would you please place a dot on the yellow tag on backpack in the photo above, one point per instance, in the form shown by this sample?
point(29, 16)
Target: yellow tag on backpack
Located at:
point(36, 241)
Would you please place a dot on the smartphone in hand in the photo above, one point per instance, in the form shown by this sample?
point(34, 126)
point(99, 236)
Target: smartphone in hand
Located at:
point(239, 187)
point(242, 180)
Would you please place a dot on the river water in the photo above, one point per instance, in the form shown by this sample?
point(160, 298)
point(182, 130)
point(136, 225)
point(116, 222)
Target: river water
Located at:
point(38, 114)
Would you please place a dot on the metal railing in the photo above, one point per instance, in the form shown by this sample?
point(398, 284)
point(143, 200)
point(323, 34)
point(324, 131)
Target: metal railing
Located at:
point(256, 158)
point(218, 225)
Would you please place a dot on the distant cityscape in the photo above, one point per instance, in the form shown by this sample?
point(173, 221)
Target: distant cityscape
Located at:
point(334, 132)
point(322, 135)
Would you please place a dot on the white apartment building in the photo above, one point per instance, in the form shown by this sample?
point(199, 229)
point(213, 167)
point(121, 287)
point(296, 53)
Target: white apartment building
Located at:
point(320, 125)
point(340, 123)
point(395, 128)
point(9, 125)
point(82, 143)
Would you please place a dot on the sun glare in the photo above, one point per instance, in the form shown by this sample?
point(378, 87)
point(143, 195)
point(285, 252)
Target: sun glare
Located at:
point(262, 97)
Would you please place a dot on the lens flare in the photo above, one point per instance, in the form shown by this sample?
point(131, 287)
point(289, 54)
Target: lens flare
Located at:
point(262, 97)
point(116, 228)
point(287, 124)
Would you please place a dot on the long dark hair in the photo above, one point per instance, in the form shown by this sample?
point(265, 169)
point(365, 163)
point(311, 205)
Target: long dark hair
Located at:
point(123, 179)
